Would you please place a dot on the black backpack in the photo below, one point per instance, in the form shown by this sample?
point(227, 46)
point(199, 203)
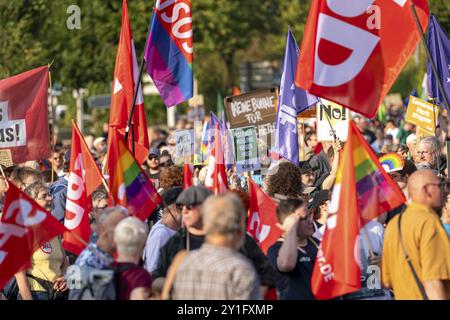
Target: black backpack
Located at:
point(86, 283)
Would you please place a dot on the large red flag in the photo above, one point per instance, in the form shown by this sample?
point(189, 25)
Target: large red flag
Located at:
point(84, 179)
point(24, 226)
point(126, 75)
point(352, 51)
point(216, 178)
point(262, 221)
point(23, 115)
point(362, 191)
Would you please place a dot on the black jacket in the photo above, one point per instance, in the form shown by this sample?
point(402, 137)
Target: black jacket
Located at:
point(250, 249)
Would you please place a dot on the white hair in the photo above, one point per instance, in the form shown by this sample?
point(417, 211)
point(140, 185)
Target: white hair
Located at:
point(130, 236)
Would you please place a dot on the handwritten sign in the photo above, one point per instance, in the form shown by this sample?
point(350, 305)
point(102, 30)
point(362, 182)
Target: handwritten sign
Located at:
point(246, 149)
point(422, 114)
point(184, 143)
point(6, 158)
point(13, 133)
point(337, 115)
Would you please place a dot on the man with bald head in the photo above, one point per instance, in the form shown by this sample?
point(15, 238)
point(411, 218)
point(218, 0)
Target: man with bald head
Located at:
point(424, 240)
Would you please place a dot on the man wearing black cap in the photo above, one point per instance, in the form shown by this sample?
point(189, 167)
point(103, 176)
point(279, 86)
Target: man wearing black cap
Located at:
point(193, 236)
point(308, 178)
point(164, 229)
point(153, 167)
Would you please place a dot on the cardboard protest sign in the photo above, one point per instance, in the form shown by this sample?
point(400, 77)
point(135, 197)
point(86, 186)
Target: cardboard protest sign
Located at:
point(6, 158)
point(24, 115)
point(256, 108)
point(184, 143)
point(246, 149)
point(337, 115)
point(422, 114)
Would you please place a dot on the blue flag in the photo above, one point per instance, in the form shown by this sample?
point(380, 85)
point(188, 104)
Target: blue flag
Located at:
point(439, 45)
point(293, 100)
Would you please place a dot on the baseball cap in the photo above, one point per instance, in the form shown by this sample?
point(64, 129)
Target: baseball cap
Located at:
point(154, 151)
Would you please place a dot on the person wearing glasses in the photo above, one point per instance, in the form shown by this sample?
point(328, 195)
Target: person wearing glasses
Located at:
point(164, 229)
point(427, 155)
point(153, 167)
point(45, 279)
point(418, 236)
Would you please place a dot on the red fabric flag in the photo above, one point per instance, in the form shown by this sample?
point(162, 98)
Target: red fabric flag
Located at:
point(236, 91)
point(84, 179)
point(125, 76)
point(216, 178)
point(262, 221)
point(362, 191)
point(187, 174)
point(23, 115)
point(24, 226)
point(128, 183)
point(352, 52)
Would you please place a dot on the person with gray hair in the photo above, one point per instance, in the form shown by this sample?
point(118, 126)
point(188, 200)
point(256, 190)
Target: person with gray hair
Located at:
point(133, 281)
point(217, 270)
point(427, 153)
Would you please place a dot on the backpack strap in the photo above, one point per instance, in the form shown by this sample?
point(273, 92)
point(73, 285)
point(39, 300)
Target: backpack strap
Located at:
point(171, 273)
point(408, 260)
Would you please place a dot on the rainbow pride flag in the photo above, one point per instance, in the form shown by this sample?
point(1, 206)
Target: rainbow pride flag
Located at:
point(129, 184)
point(169, 51)
point(376, 192)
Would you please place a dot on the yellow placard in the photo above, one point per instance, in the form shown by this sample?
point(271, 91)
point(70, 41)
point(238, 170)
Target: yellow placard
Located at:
point(421, 133)
point(422, 114)
point(6, 158)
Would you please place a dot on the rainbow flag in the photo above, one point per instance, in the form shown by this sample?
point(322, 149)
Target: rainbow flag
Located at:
point(169, 51)
point(128, 183)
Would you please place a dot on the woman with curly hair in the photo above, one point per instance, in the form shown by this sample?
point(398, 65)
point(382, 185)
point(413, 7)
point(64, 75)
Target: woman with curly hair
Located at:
point(285, 180)
point(170, 177)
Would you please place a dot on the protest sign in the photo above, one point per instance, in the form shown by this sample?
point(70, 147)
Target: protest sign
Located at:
point(421, 133)
point(246, 149)
point(422, 114)
point(184, 143)
point(337, 115)
point(6, 158)
point(308, 113)
point(256, 108)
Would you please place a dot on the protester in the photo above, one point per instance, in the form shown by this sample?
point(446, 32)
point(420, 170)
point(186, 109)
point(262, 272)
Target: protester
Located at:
point(153, 167)
point(217, 270)
point(164, 229)
point(58, 191)
point(3, 189)
point(310, 140)
point(23, 177)
point(134, 282)
point(193, 236)
point(45, 279)
point(99, 203)
point(285, 181)
point(169, 177)
point(58, 163)
point(445, 218)
point(294, 254)
point(423, 239)
point(321, 164)
point(427, 153)
point(307, 178)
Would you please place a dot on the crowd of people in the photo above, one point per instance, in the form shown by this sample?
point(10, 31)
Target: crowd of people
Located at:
point(195, 244)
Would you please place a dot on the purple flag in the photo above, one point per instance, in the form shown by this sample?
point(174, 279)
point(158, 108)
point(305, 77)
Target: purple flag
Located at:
point(293, 100)
point(439, 45)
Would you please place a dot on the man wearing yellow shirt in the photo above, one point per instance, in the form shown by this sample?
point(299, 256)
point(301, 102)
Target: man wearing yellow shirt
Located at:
point(424, 240)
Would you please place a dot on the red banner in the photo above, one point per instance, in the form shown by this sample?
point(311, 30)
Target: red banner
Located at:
point(353, 50)
point(24, 226)
point(23, 115)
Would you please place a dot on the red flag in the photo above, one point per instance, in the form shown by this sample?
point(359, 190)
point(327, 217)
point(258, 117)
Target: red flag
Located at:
point(24, 226)
point(262, 221)
point(352, 52)
point(128, 183)
point(23, 115)
point(187, 174)
point(84, 179)
point(236, 91)
point(216, 179)
point(125, 76)
point(362, 191)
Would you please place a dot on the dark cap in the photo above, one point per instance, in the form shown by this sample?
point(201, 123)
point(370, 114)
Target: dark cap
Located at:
point(170, 196)
point(154, 151)
point(319, 198)
point(305, 167)
point(193, 195)
point(67, 156)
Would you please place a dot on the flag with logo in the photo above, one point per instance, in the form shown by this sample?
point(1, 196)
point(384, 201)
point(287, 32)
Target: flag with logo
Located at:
point(24, 115)
point(24, 226)
point(353, 53)
point(126, 75)
point(262, 220)
point(439, 45)
point(169, 52)
point(362, 192)
point(292, 101)
point(84, 179)
point(128, 184)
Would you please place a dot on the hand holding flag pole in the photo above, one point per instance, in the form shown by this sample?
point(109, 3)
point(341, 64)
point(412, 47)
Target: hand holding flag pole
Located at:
point(329, 121)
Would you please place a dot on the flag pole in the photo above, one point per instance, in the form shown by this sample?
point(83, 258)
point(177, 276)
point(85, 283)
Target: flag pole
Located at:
point(138, 84)
point(430, 58)
point(4, 176)
point(52, 144)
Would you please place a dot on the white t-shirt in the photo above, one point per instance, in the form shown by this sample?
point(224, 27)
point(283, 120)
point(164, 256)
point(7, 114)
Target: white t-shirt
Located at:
point(158, 237)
